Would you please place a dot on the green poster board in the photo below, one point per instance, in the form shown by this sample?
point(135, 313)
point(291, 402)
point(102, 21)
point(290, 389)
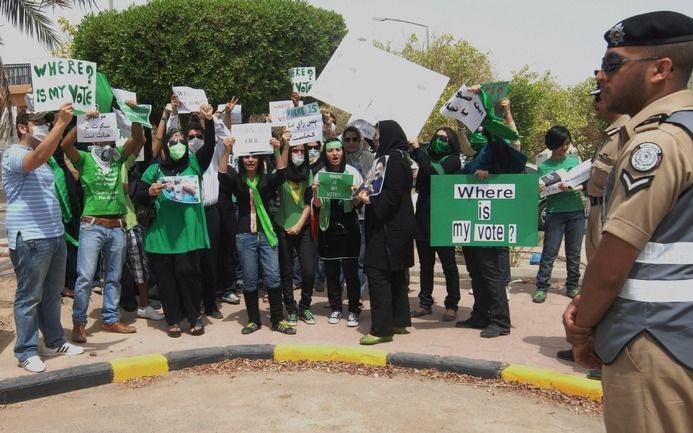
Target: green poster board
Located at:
point(335, 185)
point(501, 210)
point(139, 113)
point(497, 90)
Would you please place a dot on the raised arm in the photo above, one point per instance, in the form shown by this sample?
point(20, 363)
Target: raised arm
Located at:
point(47, 147)
point(206, 152)
point(136, 140)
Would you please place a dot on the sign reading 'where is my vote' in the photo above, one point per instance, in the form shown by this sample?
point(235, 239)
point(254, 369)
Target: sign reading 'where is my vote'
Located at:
point(501, 210)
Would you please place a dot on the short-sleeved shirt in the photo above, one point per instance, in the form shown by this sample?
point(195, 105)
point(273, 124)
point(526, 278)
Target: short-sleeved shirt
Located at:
point(563, 201)
point(103, 192)
point(32, 204)
point(177, 227)
point(643, 193)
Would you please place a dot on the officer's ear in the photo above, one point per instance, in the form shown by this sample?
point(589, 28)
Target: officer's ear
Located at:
point(663, 68)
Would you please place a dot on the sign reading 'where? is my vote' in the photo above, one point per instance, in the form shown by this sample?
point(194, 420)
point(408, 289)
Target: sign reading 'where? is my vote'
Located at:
point(57, 81)
point(501, 210)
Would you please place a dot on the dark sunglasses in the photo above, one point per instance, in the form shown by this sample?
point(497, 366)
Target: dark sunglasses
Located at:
point(613, 62)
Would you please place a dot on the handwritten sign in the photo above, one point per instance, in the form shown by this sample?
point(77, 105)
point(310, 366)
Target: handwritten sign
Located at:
point(497, 90)
point(122, 95)
point(189, 99)
point(236, 113)
point(57, 81)
point(466, 107)
point(367, 130)
point(252, 139)
point(302, 80)
point(101, 128)
point(301, 111)
point(277, 109)
point(305, 129)
point(335, 185)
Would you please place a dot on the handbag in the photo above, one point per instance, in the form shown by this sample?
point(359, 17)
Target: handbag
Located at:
point(145, 213)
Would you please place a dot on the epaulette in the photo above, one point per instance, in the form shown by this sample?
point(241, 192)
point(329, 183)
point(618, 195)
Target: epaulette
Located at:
point(658, 118)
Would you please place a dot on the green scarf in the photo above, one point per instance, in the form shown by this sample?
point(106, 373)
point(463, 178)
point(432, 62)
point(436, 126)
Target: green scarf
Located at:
point(262, 213)
point(325, 211)
point(63, 197)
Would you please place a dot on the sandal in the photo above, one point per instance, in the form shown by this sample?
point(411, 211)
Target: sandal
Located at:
point(198, 328)
point(369, 340)
point(420, 312)
point(174, 331)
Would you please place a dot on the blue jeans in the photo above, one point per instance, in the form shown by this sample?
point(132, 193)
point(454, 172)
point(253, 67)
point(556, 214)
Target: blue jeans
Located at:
point(40, 269)
point(111, 243)
point(572, 225)
point(254, 251)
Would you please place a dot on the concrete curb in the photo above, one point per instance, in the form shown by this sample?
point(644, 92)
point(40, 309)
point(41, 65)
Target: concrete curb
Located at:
point(71, 379)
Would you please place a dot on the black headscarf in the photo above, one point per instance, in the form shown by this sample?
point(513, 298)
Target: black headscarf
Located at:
point(300, 173)
point(392, 137)
point(169, 164)
point(453, 143)
point(326, 163)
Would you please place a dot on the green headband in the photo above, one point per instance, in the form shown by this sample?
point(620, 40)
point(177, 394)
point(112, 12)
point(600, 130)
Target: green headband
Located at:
point(334, 144)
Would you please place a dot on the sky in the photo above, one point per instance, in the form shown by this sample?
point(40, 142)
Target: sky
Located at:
point(564, 37)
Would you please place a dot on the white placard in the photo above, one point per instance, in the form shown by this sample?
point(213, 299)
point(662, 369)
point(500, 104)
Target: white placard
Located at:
point(101, 128)
point(303, 110)
point(302, 79)
point(367, 130)
point(387, 91)
point(236, 113)
point(466, 107)
point(57, 81)
point(574, 178)
point(277, 109)
point(189, 99)
point(305, 129)
point(252, 139)
point(124, 95)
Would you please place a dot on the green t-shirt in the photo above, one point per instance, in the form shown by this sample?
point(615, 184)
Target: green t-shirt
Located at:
point(563, 201)
point(177, 227)
point(103, 192)
point(291, 201)
point(130, 214)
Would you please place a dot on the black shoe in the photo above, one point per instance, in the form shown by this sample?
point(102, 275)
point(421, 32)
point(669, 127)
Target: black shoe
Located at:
point(283, 327)
point(595, 375)
point(214, 314)
point(565, 355)
point(492, 332)
point(250, 328)
point(471, 323)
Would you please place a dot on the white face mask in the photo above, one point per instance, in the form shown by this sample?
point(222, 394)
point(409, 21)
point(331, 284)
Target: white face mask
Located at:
point(313, 155)
point(297, 159)
point(40, 132)
point(194, 144)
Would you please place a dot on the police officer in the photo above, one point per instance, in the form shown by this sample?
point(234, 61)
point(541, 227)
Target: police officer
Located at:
point(635, 313)
point(602, 161)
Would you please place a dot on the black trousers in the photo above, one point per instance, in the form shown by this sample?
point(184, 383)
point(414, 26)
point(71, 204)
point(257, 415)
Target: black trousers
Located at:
point(333, 270)
point(209, 258)
point(487, 268)
point(180, 287)
point(304, 246)
point(228, 260)
point(389, 302)
point(427, 258)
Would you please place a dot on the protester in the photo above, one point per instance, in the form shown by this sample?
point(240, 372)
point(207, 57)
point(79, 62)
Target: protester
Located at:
point(565, 217)
point(178, 232)
point(390, 227)
point(256, 239)
point(339, 236)
point(440, 157)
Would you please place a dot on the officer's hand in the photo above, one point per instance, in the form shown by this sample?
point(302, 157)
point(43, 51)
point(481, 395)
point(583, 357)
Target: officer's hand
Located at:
point(584, 355)
point(575, 335)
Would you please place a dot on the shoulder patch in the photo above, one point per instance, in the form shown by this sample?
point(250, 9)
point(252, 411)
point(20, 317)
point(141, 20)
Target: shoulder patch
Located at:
point(632, 185)
point(646, 157)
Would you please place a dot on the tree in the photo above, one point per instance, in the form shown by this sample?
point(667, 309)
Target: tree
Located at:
point(227, 47)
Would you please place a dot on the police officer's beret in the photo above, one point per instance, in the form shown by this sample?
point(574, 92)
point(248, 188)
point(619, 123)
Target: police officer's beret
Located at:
point(652, 28)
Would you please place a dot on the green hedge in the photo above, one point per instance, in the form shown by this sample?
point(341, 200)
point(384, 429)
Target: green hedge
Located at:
point(227, 47)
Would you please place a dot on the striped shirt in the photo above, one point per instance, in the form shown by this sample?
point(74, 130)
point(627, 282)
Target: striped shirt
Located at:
point(32, 205)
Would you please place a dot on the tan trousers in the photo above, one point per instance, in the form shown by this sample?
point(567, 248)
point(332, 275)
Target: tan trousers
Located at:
point(647, 391)
point(593, 230)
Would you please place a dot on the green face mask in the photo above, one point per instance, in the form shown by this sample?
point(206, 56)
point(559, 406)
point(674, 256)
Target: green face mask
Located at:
point(440, 145)
point(177, 150)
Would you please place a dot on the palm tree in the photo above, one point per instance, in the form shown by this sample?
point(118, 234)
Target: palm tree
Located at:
point(29, 16)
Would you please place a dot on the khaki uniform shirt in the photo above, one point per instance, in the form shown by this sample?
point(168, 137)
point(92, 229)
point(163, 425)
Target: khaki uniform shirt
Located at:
point(654, 167)
point(605, 157)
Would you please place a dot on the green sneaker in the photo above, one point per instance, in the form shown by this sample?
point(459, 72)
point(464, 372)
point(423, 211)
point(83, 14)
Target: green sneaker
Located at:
point(400, 331)
point(573, 292)
point(283, 327)
point(307, 317)
point(293, 319)
point(539, 297)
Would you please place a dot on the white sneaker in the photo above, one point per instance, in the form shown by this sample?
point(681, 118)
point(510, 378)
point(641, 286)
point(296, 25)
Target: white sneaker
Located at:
point(34, 364)
point(149, 313)
point(231, 298)
point(335, 317)
point(353, 320)
point(65, 349)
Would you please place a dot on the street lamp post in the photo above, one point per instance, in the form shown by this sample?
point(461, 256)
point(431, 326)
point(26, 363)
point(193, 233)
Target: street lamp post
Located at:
point(382, 19)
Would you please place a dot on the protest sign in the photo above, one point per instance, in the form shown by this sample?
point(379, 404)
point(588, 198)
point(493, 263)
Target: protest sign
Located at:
point(302, 110)
point(335, 185)
point(189, 99)
point(466, 107)
point(236, 113)
point(305, 129)
point(350, 82)
point(138, 114)
point(181, 189)
point(574, 178)
point(302, 80)
point(252, 139)
point(122, 95)
point(57, 81)
point(277, 109)
point(104, 127)
point(373, 183)
point(367, 130)
point(501, 210)
point(497, 90)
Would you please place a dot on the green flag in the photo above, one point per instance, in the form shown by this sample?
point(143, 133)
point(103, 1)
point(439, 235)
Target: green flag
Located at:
point(104, 94)
point(139, 114)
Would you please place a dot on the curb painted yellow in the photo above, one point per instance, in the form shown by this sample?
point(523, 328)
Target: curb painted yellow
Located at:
point(139, 366)
point(286, 352)
point(570, 384)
